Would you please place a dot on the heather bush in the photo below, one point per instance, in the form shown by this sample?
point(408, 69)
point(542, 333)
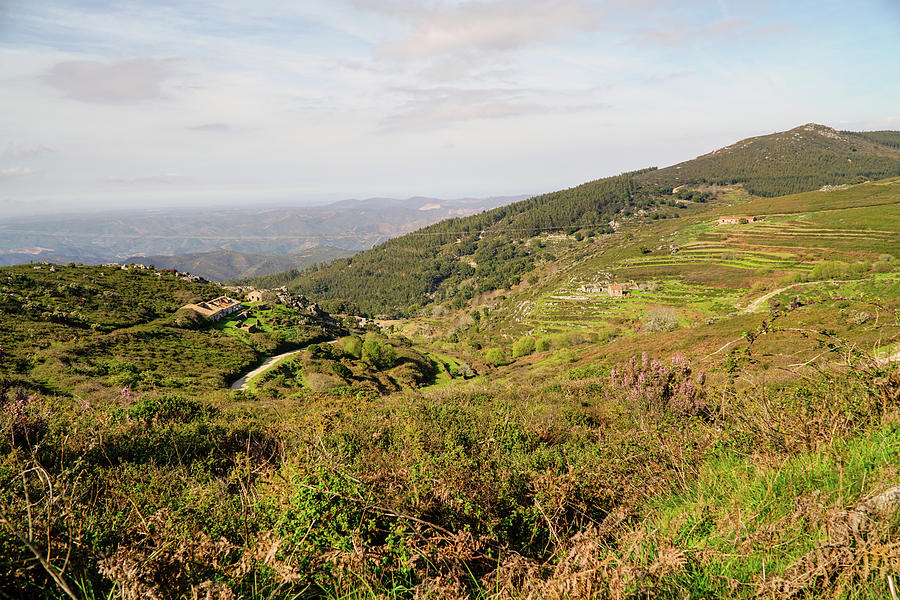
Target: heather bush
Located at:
point(169, 407)
point(23, 423)
point(657, 385)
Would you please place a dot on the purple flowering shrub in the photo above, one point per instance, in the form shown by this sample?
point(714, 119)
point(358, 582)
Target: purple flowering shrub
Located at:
point(23, 426)
point(659, 385)
point(18, 421)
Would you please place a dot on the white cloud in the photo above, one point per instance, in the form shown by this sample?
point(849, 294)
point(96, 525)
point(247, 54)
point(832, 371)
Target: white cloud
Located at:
point(430, 107)
point(165, 178)
point(485, 26)
point(211, 127)
point(16, 151)
point(17, 172)
point(122, 82)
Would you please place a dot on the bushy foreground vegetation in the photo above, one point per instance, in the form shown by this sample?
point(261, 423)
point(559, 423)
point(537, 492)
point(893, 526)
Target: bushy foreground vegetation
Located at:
point(649, 480)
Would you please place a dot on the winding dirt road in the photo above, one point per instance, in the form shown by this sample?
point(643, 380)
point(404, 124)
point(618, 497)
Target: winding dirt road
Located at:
point(244, 382)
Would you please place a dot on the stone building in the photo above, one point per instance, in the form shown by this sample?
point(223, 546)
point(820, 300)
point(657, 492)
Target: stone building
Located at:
point(216, 309)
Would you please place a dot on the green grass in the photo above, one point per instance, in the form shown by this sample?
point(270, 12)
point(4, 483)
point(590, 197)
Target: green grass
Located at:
point(746, 516)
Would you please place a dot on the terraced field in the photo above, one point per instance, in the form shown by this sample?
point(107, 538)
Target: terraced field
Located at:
point(590, 305)
point(710, 271)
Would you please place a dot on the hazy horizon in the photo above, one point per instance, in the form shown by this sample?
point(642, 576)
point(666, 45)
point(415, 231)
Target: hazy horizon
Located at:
point(160, 105)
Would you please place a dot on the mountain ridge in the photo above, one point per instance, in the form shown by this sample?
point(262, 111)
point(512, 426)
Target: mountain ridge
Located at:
point(459, 258)
point(117, 235)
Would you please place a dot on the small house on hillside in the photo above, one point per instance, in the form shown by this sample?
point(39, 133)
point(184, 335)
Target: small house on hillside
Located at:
point(617, 290)
point(216, 309)
point(268, 296)
point(737, 220)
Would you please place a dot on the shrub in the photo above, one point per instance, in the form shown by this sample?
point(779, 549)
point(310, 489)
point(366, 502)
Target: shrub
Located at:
point(169, 407)
point(325, 351)
point(188, 318)
point(542, 345)
point(341, 371)
point(523, 346)
point(835, 269)
point(352, 346)
point(378, 354)
point(496, 356)
point(661, 319)
point(657, 385)
point(882, 267)
point(321, 382)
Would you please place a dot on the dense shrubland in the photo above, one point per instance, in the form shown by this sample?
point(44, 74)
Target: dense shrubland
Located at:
point(351, 367)
point(654, 478)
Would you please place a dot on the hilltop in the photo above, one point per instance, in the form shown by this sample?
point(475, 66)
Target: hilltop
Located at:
point(801, 159)
point(459, 258)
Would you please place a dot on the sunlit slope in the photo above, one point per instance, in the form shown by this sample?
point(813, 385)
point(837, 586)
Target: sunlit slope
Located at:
point(458, 259)
point(804, 158)
point(842, 243)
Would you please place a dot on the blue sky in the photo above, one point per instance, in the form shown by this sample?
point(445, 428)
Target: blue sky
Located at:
point(147, 104)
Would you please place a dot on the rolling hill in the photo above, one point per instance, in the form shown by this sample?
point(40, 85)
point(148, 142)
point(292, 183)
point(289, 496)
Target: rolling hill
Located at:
point(460, 258)
point(729, 428)
point(804, 158)
point(350, 225)
point(224, 265)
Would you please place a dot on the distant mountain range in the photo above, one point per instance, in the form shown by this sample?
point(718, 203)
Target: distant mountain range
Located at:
point(248, 238)
point(224, 265)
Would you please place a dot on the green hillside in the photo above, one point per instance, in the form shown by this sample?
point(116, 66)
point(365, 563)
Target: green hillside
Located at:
point(460, 258)
point(82, 329)
point(224, 265)
point(698, 281)
point(729, 428)
point(804, 158)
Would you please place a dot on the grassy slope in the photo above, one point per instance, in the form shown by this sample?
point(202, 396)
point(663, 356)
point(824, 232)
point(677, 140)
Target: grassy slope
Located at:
point(94, 330)
point(545, 478)
point(429, 265)
point(716, 274)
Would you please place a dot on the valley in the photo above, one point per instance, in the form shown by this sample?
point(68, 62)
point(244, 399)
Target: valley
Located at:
point(625, 389)
point(226, 243)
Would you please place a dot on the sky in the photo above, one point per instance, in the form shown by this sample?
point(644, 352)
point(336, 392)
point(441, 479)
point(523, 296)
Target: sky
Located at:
point(166, 103)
